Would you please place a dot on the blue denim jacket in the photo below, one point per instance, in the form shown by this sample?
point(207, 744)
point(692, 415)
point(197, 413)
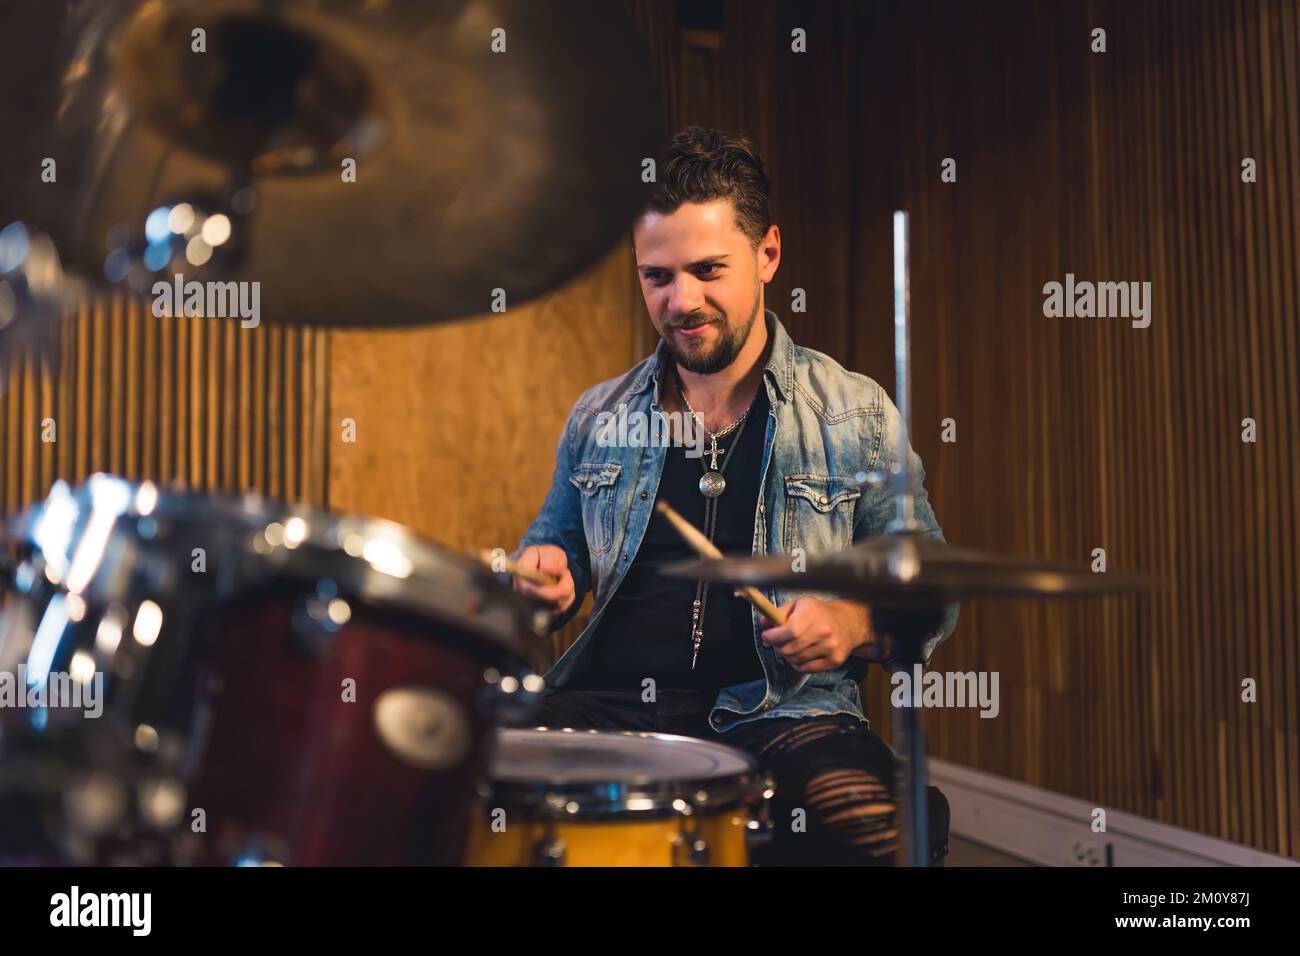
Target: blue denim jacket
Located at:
point(825, 425)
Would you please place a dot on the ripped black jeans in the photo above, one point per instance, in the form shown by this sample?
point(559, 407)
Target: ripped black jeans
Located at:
point(832, 768)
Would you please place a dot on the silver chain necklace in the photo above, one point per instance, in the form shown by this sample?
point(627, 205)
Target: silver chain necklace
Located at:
point(711, 486)
point(712, 483)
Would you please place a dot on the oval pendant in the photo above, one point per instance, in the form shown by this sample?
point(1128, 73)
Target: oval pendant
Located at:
point(712, 484)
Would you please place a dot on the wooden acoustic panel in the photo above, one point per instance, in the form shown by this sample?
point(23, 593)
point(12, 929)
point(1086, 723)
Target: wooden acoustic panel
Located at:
point(193, 402)
point(451, 429)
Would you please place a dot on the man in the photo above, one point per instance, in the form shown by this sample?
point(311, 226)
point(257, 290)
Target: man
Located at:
point(787, 435)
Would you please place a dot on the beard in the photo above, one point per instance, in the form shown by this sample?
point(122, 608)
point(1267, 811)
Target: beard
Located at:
point(701, 359)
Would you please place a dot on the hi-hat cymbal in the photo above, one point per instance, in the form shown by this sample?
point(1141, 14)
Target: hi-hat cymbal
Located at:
point(498, 145)
point(907, 570)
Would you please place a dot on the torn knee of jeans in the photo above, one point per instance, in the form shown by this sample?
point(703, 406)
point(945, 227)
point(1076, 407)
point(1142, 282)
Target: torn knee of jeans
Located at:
point(845, 775)
point(803, 732)
point(832, 786)
point(856, 804)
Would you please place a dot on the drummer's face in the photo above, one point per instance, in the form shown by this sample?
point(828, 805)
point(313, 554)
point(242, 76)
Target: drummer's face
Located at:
point(702, 281)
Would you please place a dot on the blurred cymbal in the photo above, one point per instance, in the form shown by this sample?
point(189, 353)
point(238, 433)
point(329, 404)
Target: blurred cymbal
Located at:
point(477, 169)
point(908, 570)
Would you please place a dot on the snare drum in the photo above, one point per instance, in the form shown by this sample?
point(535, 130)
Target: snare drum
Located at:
point(280, 685)
point(598, 798)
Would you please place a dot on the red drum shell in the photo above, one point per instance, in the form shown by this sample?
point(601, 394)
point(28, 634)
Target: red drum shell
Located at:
point(292, 769)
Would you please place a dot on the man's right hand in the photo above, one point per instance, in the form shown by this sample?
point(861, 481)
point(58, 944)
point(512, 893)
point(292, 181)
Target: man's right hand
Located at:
point(553, 561)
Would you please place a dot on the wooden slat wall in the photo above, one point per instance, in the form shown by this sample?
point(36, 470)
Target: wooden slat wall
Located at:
point(1072, 433)
point(199, 403)
point(456, 424)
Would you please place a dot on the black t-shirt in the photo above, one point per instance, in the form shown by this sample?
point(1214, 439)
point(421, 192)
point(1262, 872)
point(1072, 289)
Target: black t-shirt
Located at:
point(646, 630)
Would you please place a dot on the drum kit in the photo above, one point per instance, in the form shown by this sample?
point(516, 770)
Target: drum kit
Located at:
point(269, 684)
point(272, 684)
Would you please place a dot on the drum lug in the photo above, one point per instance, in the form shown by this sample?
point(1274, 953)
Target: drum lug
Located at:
point(689, 848)
point(759, 828)
point(318, 617)
point(758, 833)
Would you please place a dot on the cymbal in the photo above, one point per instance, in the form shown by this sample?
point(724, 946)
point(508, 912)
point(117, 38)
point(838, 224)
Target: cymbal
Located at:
point(908, 570)
point(498, 145)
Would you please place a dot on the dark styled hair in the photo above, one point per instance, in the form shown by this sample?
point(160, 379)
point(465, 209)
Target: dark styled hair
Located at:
point(703, 165)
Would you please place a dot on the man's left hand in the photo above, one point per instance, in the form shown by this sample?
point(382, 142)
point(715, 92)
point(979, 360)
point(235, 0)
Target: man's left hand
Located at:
point(818, 635)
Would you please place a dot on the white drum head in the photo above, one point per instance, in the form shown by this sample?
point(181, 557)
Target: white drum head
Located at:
point(593, 756)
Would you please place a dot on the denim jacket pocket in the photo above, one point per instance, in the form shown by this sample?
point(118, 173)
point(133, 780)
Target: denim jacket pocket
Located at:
point(819, 512)
point(597, 482)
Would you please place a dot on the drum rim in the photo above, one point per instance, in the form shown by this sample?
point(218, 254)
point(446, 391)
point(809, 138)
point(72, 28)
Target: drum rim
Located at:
point(509, 619)
point(613, 799)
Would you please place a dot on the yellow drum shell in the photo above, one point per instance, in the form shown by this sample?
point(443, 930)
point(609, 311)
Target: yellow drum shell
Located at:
point(598, 798)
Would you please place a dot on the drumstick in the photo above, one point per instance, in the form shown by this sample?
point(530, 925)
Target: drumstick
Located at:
point(704, 547)
point(500, 562)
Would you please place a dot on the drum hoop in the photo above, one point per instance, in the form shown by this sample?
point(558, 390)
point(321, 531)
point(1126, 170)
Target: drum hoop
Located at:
point(500, 617)
point(648, 799)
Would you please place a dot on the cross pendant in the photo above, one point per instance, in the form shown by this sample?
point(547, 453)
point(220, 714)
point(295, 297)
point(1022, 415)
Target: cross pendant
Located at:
point(714, 452)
